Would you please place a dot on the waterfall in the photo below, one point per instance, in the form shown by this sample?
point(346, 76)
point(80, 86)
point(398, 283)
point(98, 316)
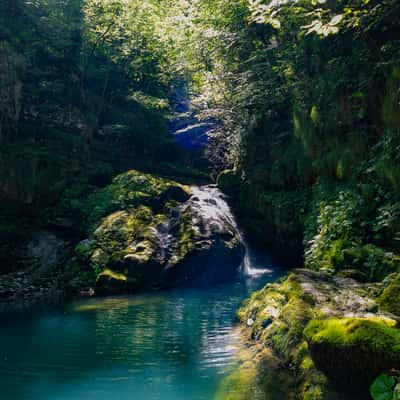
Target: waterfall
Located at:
point(214, 210)
point(251, 265)
point(165, 240)
point(212, 207)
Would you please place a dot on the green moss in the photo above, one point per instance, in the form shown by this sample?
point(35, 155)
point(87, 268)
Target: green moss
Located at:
point(124, 218)
point(390, 299)
point(132, 189)
point(113, 275)
point(353, 351)
point(278, 315)
point(374, 334)
point(287, 316)
point(239, 385)
point(186, 237)
point(114, 237)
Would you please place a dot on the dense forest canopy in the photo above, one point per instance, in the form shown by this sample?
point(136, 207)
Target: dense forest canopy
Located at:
point(303, 94)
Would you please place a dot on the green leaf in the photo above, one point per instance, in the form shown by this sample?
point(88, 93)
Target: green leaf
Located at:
point(382, 388)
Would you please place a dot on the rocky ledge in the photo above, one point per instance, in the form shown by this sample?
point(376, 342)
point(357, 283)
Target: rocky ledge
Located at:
point(335, 333)
point(39, 277)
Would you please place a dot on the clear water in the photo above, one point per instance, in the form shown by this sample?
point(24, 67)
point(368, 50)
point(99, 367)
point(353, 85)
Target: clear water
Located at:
point(174, 345)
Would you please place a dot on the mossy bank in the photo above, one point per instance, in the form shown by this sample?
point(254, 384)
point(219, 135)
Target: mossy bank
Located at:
point(334, 333)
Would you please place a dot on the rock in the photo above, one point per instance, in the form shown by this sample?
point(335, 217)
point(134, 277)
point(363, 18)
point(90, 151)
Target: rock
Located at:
point(390, 299)
point(229, 182)
point(353, 351)
point(162, 237)
point(250, 322)
point(329, 328)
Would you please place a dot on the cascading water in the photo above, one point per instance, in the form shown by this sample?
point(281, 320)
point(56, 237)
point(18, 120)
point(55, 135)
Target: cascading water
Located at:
point(212, 206)
point(251, 265)
point(210, 203)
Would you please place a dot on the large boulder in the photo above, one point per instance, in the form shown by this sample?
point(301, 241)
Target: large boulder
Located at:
point(352, 351)
point(328, 329)
point(157, 233)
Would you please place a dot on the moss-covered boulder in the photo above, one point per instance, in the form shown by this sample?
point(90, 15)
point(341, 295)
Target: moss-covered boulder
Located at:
point(354, 351)
point(157, 233)
point(390, 299)
point(229, 182)
point(279, 314)
point(130, 190)
point(109, 282)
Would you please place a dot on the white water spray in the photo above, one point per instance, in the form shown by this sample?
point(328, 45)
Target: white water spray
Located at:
point(212, 207)
point(250, 265)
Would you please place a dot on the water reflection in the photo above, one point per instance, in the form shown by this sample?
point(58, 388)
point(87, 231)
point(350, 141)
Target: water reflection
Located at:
point(169, 346)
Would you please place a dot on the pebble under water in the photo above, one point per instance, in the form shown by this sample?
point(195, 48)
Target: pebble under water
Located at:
point(175, 345)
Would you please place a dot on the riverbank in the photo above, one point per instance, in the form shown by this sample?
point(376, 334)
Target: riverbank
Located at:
point(335, 334)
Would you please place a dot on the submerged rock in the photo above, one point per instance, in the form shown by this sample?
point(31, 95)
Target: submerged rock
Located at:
point(160, 234)
point(258, 375)
point(329, 329)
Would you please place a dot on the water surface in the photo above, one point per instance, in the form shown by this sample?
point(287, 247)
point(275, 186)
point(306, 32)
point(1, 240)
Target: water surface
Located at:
point(174, 345)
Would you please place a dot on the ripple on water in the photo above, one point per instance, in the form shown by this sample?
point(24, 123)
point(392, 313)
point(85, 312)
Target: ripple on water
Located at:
point(164, 346)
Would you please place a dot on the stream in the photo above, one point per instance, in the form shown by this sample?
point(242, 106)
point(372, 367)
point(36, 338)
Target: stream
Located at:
point(175, 345)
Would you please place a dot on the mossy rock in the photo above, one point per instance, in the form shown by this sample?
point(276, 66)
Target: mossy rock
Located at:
point(229, 182)
point(109, 282)
point(390, 299)
point(157, 235)
point(353, 351)
point(278, 314)
point(133, 189)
